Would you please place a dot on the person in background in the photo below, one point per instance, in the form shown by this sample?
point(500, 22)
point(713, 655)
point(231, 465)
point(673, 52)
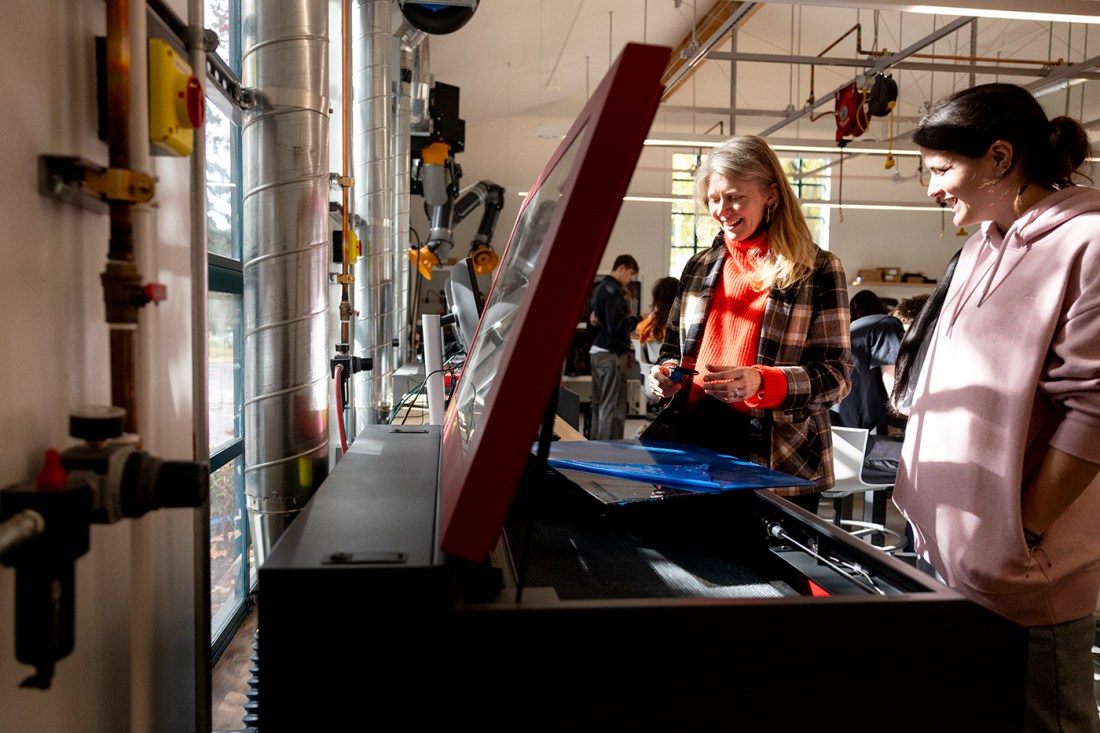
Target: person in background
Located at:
point(762, 315)
point(998, 477)
point(650, 333)
point(865, 303)
point(610, 352)
point(875, 342)
point(907, 311)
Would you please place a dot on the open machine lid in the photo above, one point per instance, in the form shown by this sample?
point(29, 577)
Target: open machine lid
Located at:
point(515, 360)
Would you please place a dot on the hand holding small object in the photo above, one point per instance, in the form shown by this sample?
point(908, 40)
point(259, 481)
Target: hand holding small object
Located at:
point(731, 384)
point(665, 380)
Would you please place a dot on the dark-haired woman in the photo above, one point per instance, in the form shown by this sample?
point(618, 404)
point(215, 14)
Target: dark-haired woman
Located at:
point(650, 332)
point(999, 470)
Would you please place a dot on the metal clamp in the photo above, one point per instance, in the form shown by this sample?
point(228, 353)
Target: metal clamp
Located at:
point(91, 186)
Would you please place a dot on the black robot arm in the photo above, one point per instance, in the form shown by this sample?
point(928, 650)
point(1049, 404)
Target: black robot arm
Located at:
point(490, 197)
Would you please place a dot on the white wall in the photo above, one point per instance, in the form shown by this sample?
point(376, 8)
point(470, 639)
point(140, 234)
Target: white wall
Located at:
point(133, 664)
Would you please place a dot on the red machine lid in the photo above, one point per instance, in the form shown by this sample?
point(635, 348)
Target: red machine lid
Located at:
point(515, 359)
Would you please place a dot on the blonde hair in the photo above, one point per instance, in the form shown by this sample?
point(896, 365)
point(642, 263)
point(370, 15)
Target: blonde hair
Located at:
point(791, 251)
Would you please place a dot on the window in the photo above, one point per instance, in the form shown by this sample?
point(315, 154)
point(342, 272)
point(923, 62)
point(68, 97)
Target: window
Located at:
point(810, 179)
point(231, 558)
point(693, 229)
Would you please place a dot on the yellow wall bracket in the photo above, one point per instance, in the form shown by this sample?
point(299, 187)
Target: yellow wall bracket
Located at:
point(119, 184)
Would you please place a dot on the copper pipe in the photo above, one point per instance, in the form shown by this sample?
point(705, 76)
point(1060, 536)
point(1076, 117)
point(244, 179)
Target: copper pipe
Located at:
point(124, 374)
point(345, 161)
point(941, 57)
point(345, 181)
point(118, 121)
point(858, 28)
point(121, 275)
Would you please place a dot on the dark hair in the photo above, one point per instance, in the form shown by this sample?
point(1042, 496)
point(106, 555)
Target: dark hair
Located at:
point(907, 310)
point(664, 292)
point(865, 303)
point(625, 260)
point(969, 121)
point(913, 344)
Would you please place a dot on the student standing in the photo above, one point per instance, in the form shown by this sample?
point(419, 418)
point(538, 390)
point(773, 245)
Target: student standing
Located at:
point(610, 352)
point(762, 316)
point(1002, 448)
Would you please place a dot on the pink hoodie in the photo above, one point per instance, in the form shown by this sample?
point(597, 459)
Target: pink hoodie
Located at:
point(1012, 368)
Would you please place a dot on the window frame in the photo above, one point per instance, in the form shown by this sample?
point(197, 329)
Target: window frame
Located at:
point(226, 275)
point(816, 215)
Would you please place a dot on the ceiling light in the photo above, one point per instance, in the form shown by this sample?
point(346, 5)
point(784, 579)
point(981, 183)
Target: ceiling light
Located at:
point(850, 149)
point(870, 206)
point(853, 205)
point(1069, 11)
point(786, 145)
point(998, 13)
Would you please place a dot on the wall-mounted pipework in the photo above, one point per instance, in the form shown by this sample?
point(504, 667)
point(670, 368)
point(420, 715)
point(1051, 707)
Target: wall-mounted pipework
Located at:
point(45, 524)
point(45, 592)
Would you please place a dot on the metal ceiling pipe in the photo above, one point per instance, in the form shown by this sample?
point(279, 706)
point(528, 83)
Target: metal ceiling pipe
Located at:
point(286, 251)
point(372, 162)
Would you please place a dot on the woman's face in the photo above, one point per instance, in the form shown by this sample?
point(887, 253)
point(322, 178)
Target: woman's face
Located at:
point(738, 205)
point(969, 186)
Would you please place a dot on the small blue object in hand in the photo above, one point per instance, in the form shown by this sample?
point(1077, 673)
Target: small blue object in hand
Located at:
point(678, 373)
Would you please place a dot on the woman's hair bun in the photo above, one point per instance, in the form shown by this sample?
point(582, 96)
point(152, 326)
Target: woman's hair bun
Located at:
point(1069, 137)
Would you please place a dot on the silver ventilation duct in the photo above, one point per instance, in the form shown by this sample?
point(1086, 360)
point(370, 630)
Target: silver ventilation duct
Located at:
point(285, 149)
point(374, 295)
point(415, 58)
point(410, 113)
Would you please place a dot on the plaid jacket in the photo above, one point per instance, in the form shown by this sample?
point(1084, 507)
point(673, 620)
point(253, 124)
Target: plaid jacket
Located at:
point(806, 334)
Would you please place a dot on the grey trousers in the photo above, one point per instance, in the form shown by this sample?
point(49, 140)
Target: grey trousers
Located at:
point(1059, 694)
point(608, 410)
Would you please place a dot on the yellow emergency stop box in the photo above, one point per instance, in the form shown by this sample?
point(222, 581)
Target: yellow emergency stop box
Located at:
point(176, 102)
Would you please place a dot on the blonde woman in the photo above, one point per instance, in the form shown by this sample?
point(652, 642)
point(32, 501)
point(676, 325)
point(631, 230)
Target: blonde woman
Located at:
point(762, 317)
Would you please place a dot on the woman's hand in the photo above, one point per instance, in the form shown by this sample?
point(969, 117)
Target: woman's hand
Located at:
point(660, 383)
point(731, 384)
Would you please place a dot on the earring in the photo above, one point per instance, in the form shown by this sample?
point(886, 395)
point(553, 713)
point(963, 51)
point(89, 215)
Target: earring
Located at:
point(768, 211)
point(1017, 204)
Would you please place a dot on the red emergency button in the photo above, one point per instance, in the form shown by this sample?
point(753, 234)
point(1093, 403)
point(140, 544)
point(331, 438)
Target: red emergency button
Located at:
point(196, 103)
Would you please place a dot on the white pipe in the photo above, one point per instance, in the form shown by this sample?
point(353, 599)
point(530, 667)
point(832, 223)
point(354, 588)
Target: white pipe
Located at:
point(433, 366)
point(200, 397)
point(145, 674)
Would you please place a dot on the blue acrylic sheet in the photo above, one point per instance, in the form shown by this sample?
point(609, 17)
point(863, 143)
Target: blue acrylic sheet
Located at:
point(672, 465)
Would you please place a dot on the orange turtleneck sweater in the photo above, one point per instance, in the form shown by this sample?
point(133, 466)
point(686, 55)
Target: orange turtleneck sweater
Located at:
point(732, 332)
